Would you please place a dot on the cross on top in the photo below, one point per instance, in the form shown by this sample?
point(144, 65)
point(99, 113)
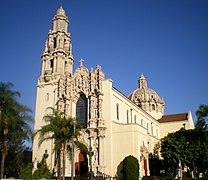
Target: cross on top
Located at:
point(81, 62)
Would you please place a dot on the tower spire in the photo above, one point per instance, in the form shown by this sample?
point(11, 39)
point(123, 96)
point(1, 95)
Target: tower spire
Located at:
point(57, 58)
point(60, 21)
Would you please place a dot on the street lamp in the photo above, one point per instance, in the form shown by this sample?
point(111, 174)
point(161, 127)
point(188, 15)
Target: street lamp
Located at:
point(72, 160)
point(90, 156)
point(0, 113)
point(1, 102)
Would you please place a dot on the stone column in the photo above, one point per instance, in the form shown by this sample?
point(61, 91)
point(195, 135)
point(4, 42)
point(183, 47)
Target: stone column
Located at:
point(101, 149)
point(43, 68)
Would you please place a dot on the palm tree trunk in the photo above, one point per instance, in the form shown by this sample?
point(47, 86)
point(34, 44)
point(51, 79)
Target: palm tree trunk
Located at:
point(4, 150)
point(59, 164)
point(64, 163)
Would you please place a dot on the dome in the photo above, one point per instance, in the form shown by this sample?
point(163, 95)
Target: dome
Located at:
point(147, 98)
point(141, 93)
point(60, 11)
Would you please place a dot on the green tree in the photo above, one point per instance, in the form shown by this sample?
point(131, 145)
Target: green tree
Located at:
point(130, 168)
point(14, 118)
point(202, 116)
point(189, 146)
point(42, 172)
point(59, 128)
point(155, 161)
point(26, 172)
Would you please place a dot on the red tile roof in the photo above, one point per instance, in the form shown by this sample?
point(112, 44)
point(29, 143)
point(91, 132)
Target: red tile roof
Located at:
point(173, 117)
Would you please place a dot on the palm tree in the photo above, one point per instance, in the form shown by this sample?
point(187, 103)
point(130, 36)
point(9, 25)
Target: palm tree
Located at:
point(13, 120)
point(60, 129)
point(202, 116)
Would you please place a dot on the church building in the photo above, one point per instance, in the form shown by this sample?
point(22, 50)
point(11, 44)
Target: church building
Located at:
point(114, 125)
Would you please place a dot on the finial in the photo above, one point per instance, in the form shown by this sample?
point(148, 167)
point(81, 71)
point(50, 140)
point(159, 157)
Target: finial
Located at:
point(60, 11)
point(61, 6)
point(81, 62)
point(142, 76)
point(142, 81)
point(98, 67)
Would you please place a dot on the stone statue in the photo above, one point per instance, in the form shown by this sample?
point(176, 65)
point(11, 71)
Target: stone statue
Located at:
point(45, 156)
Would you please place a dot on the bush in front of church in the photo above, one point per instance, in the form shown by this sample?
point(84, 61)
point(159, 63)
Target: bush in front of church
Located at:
point(130, 168)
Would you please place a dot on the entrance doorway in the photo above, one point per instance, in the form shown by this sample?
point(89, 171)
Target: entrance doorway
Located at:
point(145, 166)
point(81, 167)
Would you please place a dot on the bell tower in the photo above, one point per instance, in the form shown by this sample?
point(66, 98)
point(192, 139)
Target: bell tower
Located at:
point(56, 71)
point(57, 58)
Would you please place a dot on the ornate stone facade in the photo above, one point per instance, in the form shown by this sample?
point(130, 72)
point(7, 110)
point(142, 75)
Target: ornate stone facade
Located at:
point(57, 64)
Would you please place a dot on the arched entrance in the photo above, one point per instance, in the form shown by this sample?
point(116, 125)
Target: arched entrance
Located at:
point(145, 166)
point(81, 167)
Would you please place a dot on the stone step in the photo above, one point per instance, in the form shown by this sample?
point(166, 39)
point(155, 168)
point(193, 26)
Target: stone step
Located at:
point(151, 178)
point(85, 178)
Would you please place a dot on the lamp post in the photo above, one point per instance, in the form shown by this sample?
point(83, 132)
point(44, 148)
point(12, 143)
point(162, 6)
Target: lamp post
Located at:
point(72, 160)
point(0, 112)
point(90, 162)
point(1, 102)
point(2, 162)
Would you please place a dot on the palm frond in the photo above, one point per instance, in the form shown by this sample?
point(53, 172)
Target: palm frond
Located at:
point(202, 116)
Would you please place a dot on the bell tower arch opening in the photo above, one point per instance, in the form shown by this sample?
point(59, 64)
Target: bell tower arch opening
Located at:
point(81, 110)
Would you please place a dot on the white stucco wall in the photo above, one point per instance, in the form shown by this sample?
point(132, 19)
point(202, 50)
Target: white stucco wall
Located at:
point(46, 97)
point(122, 138)
point(170, 127)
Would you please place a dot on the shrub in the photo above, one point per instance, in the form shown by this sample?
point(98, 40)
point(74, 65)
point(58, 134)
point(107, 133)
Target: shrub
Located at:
point(42, 172)
point(130, 168)
point(26, 172)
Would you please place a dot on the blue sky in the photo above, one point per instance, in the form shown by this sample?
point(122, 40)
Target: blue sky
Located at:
point(167, 40)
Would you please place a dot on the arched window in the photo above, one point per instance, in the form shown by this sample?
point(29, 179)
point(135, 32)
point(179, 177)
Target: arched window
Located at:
point(81, 110)
point(47, 97)
point(127, 116)
point(152, 131)
point(153, 107)
point(135, 119)
point(117, 111)
point(55, 44)
point(147, 128)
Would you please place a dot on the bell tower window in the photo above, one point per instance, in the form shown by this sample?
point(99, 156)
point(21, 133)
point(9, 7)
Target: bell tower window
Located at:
point(55, 44)
point(81, 110)
point(51, 65)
